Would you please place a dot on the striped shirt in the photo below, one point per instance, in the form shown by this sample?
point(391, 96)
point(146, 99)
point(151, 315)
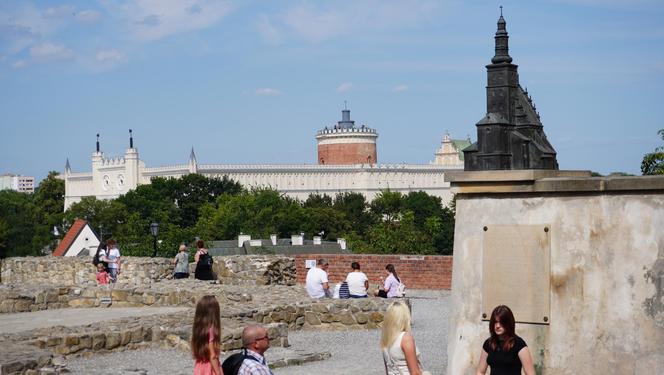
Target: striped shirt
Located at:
point(251, 367)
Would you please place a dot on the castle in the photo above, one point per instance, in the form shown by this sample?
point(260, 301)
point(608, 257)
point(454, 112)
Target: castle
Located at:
point(347, 162)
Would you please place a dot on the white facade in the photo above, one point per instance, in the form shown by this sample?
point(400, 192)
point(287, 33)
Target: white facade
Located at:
point(86, 243)
point(112, 177)
point(450, 153)
point(23, 184)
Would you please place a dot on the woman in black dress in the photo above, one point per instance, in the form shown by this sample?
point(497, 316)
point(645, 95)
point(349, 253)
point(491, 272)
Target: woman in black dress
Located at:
point(504, 351)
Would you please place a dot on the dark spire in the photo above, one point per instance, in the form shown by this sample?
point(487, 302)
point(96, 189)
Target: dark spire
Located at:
point(192, 156)
point(502, 49)
point(67, 166)
point(131, 139)
point(97, 142)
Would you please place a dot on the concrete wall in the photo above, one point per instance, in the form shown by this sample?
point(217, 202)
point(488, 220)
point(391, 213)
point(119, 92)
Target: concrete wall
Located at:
point(416, 271)
point(607, 273)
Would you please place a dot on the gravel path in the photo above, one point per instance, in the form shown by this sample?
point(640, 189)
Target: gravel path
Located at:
point(353, 352)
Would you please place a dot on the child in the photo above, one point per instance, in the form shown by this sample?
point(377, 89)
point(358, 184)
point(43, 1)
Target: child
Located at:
point(102, 275)
point(206, 337)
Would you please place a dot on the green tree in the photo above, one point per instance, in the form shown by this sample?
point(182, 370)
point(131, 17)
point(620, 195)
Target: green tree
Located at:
point(388, 205)
point(106, 217)
point(17, 224)
point(49, 201)
point(653, 162)
point(317, 200)
point(355, 208)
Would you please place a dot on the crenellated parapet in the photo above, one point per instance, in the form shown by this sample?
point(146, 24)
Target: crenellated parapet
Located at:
point(112, 161)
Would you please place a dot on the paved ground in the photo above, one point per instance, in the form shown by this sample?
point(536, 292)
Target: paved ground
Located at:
point(353, 352)
point(11, 323)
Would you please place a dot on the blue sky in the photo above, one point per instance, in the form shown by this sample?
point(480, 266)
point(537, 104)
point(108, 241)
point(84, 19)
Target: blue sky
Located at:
point(252, 81)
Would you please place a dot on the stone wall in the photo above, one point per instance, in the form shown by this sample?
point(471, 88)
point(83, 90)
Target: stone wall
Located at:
point(416, 271)
point(65, 271)
point(606, 270)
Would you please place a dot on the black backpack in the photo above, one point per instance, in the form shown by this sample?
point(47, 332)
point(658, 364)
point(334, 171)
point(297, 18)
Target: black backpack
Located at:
point(205, 260)
point(232, 364)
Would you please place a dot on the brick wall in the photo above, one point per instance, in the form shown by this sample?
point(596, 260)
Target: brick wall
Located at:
point(347, 153)
point(416, 271)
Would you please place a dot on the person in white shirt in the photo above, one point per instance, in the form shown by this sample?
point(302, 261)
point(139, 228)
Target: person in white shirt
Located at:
point(112, 256)
point(358, 282)
point(317, 284)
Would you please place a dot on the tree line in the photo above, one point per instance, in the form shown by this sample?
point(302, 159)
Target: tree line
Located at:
point(220, 209)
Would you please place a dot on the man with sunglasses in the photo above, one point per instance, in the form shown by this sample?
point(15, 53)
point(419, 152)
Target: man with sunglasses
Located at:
point(256, 341)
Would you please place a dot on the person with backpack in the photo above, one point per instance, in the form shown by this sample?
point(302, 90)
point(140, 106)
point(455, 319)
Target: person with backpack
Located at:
point(250, 361)
point(392, 287)
point(99, 256)
point(204, 262)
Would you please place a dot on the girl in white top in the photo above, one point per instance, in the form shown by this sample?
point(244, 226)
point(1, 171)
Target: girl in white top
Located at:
point(400, 354)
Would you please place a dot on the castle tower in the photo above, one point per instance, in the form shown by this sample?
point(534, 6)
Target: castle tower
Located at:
point(510, 136)
point(347, 144)
point(131, 161)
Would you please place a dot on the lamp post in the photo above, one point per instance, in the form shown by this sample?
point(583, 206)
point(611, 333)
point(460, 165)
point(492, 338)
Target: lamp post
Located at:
point(154, 230)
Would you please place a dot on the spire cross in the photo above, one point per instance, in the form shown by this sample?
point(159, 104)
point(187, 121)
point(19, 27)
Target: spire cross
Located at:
point(501, 10)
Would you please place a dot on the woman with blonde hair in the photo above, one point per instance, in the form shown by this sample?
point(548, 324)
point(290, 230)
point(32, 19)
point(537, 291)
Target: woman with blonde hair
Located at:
point(400, 354)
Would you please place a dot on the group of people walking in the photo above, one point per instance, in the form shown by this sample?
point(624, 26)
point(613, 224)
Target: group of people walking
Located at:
point(355, 285)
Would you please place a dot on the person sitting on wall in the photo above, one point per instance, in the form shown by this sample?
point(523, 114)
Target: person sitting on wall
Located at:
point(317, 284)
point(358, 282)
point(391, 285)
point(204, 262)
point(181, 262)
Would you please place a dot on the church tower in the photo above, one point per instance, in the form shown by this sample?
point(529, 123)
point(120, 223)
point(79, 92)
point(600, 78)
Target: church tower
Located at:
point(347, 144)
point(511, 135)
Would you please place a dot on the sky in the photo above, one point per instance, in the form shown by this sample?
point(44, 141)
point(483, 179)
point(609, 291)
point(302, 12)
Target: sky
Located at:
point(250, 82)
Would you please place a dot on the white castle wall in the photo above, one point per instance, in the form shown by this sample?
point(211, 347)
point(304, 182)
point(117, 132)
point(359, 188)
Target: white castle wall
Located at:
point(112, 177)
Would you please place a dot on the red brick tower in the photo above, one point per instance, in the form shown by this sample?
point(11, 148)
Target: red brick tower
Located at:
point(347, 144)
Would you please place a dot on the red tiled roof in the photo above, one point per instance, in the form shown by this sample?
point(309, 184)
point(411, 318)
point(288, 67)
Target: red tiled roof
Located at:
point(70, 237)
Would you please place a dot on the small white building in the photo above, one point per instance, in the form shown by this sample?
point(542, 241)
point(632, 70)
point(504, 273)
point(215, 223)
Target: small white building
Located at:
point(80, 240)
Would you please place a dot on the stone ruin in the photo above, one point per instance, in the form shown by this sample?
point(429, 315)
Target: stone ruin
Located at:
point(250, 289)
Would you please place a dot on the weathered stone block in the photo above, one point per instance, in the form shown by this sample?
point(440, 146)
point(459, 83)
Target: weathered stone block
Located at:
point(71, 340)
point(98, 341)
point(361, 318)
point(113, 340)
point(85, 342)
point(119, 295)
point(319, 308)
point(312, 319)
point(376, 317)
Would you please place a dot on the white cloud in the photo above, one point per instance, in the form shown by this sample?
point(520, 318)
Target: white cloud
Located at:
point(19, 64)
point(50, 52)
point(268, 30)
point(155, 19)
point(111, 56)
point(315, 25)
point(87, 16)
point(59, 11)
point(267, 92)
point(399, 88)
point(346, 86)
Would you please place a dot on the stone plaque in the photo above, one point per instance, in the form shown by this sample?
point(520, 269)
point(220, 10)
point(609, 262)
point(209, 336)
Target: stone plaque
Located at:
point(515, 271)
